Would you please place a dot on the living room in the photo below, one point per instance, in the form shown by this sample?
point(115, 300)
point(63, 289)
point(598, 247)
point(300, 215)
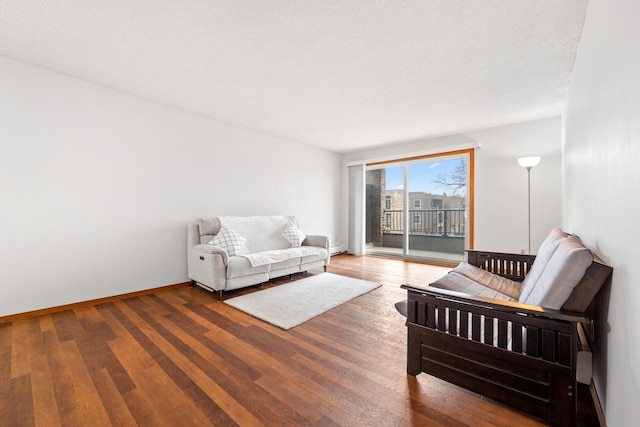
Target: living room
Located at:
point(98, 185)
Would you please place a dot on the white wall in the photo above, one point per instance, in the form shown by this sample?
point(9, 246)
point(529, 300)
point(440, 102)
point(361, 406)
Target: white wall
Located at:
point(500, 183)
point(97, 187)
point(601, 199)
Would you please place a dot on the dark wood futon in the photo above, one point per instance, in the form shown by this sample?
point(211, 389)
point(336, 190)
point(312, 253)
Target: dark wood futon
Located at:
point(523, 355)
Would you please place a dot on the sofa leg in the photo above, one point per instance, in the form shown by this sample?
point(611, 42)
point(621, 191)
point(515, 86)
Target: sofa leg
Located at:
point(193, 284)
point(220, 295)
point(325, 268)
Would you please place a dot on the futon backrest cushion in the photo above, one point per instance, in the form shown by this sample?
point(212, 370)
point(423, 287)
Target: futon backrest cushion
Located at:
point(546, 251)
point(560, 276)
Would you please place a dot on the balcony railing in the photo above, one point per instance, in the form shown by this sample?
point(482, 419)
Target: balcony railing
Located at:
point(430, 222)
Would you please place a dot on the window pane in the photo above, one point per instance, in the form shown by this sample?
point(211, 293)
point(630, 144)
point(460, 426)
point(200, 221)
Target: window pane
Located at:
point(438, 189)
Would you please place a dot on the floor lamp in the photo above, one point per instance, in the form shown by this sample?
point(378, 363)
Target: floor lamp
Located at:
point(528, 163)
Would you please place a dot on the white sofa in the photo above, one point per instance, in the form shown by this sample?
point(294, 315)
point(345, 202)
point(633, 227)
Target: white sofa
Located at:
point(232, 252)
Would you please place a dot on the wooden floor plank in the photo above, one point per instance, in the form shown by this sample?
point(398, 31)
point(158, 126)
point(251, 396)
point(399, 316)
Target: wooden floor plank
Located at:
point(172, 371)
point(85, 393)
point(20, 412)
point(159, 401)
point(5, 380)
point(112, 399)
point(66, 394)
point(6, 331)
point(177, 356)
point(139, 365)
point(46, 322)
point(200, 369)
point(45, 408)
point(20, 348)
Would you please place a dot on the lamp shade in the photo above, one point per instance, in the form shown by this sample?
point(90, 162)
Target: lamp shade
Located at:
point(528, 162)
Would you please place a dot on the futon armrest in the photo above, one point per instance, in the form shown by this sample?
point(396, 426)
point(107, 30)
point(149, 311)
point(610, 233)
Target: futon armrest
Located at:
point(511, 266)
point(497, 305)
point(211, 250)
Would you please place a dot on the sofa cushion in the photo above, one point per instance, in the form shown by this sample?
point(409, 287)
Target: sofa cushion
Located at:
point(312, 254)
point(229, 240)
point(546, 251)
point(562, 273)
point(459, 283)
point(294, 235)
point(501, 284)
point(291, 262)
point(240, 266)
point(273, 257)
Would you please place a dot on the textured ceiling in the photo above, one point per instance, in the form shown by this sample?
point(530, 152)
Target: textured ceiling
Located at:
point(339, 74)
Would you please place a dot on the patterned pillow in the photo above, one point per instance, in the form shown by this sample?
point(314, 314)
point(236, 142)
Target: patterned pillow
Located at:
point(229, 240)
point(294, 235)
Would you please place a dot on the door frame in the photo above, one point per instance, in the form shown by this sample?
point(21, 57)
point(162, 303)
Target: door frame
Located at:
point(470, 153)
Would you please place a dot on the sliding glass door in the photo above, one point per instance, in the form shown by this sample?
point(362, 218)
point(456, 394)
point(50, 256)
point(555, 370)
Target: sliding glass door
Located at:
point(420, 208)
point(385, 222)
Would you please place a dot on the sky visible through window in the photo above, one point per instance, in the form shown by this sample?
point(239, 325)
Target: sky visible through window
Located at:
point(421, 176)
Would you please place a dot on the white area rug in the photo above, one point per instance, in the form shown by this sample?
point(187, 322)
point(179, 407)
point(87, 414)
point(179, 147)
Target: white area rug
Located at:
point(294, 303)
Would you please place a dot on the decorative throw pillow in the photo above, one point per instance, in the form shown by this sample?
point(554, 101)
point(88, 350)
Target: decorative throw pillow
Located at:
point(294, 235)
point(229, 240)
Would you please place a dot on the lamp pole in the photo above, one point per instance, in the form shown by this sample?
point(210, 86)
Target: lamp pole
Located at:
point(529, 204)
point(528, 163)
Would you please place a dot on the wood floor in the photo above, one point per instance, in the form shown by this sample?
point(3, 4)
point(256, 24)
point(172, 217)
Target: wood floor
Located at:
point(177, 357)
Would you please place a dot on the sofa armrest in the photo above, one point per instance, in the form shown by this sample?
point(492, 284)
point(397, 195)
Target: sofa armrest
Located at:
point(320, 241)
point(511, 266)
point(317, 240)
point(497, 306)
point(207, 265)
point(211, 250)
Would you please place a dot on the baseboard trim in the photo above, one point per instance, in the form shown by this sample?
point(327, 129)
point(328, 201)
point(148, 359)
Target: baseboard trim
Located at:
point(337, 249)
point(596, 403)
point(12, 317)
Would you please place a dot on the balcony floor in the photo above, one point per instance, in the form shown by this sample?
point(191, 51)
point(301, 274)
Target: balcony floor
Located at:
point(417, 254)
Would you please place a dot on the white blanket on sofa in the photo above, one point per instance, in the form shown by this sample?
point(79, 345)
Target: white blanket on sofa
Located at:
point(279, 255)
point(262, 233)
